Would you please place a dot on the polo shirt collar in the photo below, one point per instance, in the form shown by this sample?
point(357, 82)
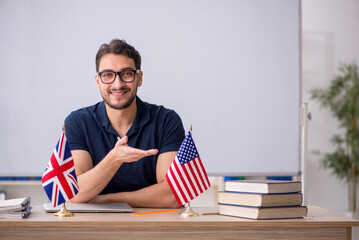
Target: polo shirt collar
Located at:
point(142, 117)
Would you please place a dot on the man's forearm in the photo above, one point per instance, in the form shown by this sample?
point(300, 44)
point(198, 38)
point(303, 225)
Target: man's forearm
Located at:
point(157, 195)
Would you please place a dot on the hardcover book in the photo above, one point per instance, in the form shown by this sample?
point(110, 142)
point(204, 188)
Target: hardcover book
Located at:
point(15, 208)
point(16, 204)
point(260, 199)
point(263, 186)
point(16, 214)
point(260, 213)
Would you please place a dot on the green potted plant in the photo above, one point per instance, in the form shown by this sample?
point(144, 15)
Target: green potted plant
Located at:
point(342, 99)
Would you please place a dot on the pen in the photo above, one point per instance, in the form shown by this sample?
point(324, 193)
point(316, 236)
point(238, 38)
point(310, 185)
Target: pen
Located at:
point(163, 211)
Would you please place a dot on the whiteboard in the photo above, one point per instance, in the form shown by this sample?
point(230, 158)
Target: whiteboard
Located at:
point(230, 68)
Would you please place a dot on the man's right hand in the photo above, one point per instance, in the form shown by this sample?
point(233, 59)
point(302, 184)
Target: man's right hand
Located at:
point(125, 153)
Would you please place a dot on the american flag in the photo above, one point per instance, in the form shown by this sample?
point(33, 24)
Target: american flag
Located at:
point(59, 179)
point(186, 175)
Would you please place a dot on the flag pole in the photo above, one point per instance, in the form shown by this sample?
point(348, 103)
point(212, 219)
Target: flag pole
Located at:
point(189, 212)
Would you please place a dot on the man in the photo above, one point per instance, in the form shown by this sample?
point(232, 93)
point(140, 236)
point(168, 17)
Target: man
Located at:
point(122, 147)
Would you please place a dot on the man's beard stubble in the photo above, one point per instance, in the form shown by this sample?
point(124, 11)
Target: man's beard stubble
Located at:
point(124, 105)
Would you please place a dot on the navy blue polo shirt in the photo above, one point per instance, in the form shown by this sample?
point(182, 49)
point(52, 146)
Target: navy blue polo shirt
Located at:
point(155, 127)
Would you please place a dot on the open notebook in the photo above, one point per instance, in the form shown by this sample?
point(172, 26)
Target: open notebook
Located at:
point(90, 207)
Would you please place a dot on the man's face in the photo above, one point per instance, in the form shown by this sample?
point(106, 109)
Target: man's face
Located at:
point(118, 94)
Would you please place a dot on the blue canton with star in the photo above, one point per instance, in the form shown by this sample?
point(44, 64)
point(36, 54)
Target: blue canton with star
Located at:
point(187, 151)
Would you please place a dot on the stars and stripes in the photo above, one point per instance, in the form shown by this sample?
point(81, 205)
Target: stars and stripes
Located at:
point(186, 175)
point(59, 179)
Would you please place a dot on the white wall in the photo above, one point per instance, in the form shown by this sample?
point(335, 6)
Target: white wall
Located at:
point(330, 34)
point(209, 87)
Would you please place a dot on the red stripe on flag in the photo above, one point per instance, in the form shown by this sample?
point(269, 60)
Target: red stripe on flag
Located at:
point(193, 187)
point(56, 191)
point(200, 175)
point(178, 186)
point(61, 143)
point(65, 185)
point(204, 172)
point(195, 176)
point(183, 181)
point(173, 190)
point(73, 179)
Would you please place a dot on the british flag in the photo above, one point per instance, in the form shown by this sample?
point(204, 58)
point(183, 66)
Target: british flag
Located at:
point(59, 179)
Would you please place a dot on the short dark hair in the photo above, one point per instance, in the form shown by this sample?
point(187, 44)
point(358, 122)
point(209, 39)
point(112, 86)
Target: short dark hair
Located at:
point(117, 46)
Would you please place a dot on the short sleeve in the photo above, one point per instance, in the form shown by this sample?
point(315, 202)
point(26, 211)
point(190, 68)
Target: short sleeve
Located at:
point(75, 132)
point(173, 133)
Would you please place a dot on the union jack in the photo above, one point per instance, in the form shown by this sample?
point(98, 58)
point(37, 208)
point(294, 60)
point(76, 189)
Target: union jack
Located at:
point(186, 176)
point(59, 179)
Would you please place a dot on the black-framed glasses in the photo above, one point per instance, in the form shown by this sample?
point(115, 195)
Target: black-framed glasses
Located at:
point(126, 75)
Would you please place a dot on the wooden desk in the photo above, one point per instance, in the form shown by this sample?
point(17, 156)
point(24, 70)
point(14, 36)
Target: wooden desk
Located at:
point(319, 224)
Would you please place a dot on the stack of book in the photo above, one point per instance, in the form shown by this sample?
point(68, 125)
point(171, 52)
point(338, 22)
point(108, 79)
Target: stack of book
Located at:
point(15, 208)
point(262, 199)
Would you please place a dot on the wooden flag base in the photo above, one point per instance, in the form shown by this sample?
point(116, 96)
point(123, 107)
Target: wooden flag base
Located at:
point(189, 212)
point(64, 212)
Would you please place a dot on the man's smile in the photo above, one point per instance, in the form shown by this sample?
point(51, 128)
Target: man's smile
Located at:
point(120, 92)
